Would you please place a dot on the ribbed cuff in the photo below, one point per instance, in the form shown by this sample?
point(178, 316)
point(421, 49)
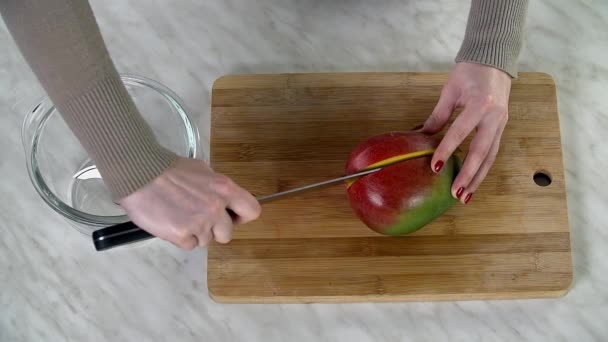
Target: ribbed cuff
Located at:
point(123, 146)
point(494, 34)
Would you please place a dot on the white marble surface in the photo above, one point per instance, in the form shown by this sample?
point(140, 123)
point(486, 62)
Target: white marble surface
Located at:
point(54, 287)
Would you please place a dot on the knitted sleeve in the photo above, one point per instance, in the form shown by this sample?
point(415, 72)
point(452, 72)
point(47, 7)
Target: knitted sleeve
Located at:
point(494, 34)
point(61, 42)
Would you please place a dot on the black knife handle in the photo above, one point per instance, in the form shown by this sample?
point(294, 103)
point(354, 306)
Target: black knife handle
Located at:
point(126, 233)
point(118, 235)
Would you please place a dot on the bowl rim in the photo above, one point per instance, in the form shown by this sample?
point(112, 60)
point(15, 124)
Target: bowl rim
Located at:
point(36, 178)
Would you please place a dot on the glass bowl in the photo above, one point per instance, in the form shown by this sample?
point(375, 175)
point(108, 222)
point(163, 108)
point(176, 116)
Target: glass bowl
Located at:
point(66, 178)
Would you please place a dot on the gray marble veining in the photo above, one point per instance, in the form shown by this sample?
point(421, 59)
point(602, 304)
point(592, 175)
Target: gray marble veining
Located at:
point(54, 287)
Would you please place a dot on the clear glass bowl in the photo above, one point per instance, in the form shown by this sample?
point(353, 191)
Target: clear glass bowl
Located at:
point(66, 178)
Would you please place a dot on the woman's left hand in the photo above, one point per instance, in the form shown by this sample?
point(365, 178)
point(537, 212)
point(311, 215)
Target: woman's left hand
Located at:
point(483, 92)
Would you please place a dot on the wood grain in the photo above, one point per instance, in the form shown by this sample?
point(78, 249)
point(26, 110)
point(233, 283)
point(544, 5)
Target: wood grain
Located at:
point(275, 132)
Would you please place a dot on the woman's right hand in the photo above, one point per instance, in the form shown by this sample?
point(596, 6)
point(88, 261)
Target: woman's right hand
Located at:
point(188, 205)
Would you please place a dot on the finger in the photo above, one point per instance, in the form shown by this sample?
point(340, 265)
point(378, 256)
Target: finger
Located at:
point(458, 132)
point(478, 150)
point(222, 229)
point(244, 205)
point(483, 170)
point(186, 243)
point(182, 238)
point(442, 112)
point(205, 237)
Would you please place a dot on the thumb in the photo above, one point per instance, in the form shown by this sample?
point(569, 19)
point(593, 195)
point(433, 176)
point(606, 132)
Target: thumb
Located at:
point(442, 112)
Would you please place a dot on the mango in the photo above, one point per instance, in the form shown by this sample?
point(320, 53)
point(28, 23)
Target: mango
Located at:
point(403, 197)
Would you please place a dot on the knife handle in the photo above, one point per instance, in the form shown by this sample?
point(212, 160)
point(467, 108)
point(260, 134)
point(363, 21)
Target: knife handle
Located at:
point(126, 233)
point(118, 235)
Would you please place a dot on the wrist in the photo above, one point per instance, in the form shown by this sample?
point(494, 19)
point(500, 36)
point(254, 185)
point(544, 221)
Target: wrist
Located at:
point(487, 67)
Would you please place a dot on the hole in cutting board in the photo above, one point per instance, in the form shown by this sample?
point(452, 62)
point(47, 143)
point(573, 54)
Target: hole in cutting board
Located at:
point(542, 178)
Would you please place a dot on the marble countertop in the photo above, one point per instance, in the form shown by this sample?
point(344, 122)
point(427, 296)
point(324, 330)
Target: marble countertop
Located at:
point(54, 287)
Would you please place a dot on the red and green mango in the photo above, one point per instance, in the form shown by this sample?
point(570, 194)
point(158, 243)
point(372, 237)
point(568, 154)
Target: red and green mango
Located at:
point(403, 197)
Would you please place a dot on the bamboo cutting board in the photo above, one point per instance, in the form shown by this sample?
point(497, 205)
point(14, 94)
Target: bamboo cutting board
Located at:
point(275, 132)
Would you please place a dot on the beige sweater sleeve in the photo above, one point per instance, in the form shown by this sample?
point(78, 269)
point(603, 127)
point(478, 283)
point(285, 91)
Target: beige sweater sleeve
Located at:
point(494, 34)
point(61, 42)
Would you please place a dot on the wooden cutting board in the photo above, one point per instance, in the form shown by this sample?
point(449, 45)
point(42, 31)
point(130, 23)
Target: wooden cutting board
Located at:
point(275, 132)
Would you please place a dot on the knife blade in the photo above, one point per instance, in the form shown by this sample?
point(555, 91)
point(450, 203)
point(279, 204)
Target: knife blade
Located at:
point(129, 232)
point(278, 195)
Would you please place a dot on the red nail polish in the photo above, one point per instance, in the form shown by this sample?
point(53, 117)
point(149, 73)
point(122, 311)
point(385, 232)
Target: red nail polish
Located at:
point(459, 192)
point(417, 127)
point(468, 198)
point(438, 166)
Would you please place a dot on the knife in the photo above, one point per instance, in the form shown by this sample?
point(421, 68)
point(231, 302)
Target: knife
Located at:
point(129, 232)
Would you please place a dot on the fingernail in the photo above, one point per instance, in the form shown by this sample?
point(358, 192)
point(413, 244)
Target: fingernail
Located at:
point(438, 166)
point(418, 127)
point(468, 198)
point(459, 192)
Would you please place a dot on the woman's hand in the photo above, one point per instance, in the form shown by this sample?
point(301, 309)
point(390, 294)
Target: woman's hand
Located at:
point(483, 92)
point(187, 205)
